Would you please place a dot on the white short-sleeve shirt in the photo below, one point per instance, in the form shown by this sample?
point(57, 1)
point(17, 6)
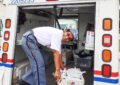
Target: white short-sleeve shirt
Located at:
point(49, 36)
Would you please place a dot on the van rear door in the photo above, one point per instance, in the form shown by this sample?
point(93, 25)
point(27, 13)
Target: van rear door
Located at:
point(8, 44)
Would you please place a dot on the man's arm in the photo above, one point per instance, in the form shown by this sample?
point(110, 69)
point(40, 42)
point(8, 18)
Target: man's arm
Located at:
point(61, 63)
point(57, 64)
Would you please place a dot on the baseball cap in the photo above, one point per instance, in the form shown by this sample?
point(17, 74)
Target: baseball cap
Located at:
point(74, 33)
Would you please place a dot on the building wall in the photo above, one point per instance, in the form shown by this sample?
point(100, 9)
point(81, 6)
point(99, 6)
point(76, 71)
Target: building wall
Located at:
point(2, 9)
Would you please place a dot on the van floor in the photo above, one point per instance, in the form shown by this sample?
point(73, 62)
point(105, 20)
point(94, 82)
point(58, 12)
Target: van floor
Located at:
point(88, 76)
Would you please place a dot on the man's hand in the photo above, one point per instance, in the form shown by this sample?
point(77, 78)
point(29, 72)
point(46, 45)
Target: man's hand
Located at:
point(57, 76)
point(65, 67)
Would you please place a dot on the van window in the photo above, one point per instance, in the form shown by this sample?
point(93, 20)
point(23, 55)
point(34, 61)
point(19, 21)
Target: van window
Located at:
point(68, 24)
point(1, 27)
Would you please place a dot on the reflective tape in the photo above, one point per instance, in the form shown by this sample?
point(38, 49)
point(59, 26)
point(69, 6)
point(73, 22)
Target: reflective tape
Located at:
point(113, 74)
point(8, 60)
point(6, 65)
point(106, 80)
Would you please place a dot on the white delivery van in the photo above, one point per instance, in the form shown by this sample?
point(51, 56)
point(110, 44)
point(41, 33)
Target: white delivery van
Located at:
point(96, 50)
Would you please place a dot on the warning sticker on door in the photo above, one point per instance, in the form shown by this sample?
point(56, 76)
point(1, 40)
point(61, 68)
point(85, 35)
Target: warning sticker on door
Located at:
point(89, 44)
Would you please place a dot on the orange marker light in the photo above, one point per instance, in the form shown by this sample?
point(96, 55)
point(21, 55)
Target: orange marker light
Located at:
point(8, 23)
point(107, 24)
point(106, 55)
point(5, 47)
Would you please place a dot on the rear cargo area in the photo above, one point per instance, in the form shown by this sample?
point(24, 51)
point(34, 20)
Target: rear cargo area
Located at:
point(78, 53)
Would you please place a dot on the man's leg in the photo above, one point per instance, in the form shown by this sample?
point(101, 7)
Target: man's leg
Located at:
point(36, 61)
point(28, 77)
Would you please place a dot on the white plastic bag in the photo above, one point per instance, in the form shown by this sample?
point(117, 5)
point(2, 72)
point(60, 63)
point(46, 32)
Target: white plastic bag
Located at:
point(72, 76)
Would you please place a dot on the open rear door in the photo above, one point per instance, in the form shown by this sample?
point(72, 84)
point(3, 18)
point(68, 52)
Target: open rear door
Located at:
point(8, 45)
point(106, 43)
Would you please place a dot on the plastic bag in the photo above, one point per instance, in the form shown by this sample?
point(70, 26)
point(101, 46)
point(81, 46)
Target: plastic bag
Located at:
point(72, 76)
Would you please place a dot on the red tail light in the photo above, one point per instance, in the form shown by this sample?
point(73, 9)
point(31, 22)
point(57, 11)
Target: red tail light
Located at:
point(6, 35)
point(4, 57)
point(107, 40)
point(106, 70)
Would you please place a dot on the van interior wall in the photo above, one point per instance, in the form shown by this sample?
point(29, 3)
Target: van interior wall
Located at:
point(32, 22)
point(83, 20)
